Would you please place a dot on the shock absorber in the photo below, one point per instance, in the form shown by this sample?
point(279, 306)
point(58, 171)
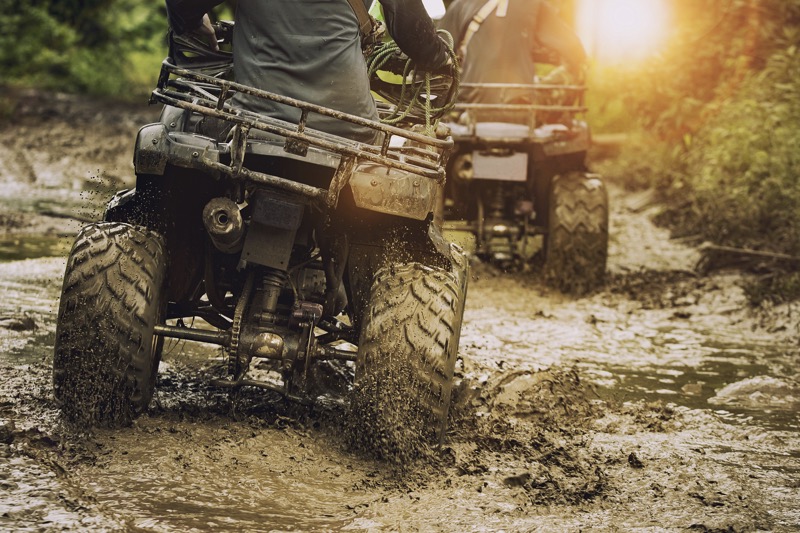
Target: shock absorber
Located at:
point(272, 283)
point(497, 204)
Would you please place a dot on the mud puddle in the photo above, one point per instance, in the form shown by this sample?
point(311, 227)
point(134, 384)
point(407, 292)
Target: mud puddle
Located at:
point(218, 474)
point(29, 293)
point(26, 246)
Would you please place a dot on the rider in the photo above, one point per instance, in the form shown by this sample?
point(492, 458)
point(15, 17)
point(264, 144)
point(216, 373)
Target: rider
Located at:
point(311, 50)
point(498, 41)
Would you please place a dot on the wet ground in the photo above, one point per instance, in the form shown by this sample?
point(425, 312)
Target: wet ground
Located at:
point(660, 403)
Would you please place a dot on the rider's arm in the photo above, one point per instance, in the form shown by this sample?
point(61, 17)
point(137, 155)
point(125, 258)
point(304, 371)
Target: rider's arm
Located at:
point(553, 33)
point(187, 15)
point(413, 31)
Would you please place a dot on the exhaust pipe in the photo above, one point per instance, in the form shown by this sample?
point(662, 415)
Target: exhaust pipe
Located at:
point(224, 224)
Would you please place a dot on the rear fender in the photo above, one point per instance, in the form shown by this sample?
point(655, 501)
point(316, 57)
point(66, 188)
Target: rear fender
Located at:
point(156, 146)
point(393, 192)
point(119, 208)
point(380, 245)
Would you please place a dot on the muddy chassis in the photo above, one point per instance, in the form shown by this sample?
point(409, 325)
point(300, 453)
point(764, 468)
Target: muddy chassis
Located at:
point(296, 248)
point(522, 189)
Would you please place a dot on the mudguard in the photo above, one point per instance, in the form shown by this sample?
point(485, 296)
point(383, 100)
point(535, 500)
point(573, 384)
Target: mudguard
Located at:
point(393, 192)
point(156, 146)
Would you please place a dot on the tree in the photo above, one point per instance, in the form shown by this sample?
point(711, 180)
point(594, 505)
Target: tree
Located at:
point(76, 45)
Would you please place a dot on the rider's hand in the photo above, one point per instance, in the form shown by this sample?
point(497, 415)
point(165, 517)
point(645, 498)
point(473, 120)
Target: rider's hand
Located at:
point(579, 73)
point(205, 32)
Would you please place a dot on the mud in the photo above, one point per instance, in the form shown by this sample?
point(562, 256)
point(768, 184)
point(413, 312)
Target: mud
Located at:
point(660, 403)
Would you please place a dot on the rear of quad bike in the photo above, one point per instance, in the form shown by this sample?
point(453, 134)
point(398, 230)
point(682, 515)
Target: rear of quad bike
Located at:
point(297, 248)
point(521, 191)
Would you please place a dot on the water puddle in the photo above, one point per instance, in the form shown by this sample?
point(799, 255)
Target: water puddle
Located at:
point(632, 353)
point(701, 369)
point(193, 466)
point(29, 294)
point(772, 402)
point(43, 221)
point(21, 246)
point(34, 498)
point(222, 476)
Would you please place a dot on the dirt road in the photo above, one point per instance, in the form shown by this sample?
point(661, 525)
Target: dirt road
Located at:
point(660, 403)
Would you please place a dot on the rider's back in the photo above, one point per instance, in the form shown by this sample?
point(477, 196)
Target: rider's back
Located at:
point(305, 49)
point(502, 49)
point(311, 50)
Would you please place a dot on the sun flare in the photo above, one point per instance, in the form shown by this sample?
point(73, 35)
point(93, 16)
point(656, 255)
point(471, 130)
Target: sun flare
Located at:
point(622, 30)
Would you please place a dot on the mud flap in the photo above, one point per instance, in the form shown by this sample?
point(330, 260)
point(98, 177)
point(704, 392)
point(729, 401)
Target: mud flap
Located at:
point(272, 231)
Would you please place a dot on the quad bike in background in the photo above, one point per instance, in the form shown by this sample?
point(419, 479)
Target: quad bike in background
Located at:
point(286, 246)
point(520, 188)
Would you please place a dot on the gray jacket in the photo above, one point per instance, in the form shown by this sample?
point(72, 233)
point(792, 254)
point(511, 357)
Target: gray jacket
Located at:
point(311, 50)
point(504, 49)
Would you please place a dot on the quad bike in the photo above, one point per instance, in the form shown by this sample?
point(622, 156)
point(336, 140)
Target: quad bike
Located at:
point(513, 184)
point(288, 247)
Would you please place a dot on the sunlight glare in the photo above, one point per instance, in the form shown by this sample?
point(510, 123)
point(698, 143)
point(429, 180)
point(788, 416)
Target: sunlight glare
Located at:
point(622, 30)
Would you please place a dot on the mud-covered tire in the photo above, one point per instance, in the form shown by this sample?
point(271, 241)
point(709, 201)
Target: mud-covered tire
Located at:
point(576, 244)
point(406, 357)
point(106, 355)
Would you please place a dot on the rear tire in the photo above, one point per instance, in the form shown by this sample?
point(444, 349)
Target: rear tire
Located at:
point(406, 357)
point(576, 248)
point(106, 354)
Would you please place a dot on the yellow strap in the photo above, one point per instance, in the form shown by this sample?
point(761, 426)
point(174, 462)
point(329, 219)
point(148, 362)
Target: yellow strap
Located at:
point(475, 24)
point(364, 20)
point(502, 8)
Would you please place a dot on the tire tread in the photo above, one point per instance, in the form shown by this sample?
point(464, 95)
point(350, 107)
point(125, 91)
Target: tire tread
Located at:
point(104, 362)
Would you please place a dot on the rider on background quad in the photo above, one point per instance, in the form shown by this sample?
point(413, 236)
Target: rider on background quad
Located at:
point(311, 51)
point(498, 41)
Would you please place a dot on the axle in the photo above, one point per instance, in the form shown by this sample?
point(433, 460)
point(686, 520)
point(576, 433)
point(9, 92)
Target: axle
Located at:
point(266, 345)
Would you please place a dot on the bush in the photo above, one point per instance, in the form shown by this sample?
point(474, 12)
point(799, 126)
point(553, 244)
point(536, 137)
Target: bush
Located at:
point(78, 46)
point(720, 119)
point(745, 164)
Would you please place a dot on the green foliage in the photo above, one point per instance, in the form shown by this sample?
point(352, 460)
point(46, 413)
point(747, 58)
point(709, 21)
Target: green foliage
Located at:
point(608, 107)
point(721, 112)
point(77, 45)
point(746, 161)
point(718, 44)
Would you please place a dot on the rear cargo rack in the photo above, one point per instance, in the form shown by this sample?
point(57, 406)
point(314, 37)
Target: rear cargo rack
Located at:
point(395, 148)
point(547, 107)
point(536, 90)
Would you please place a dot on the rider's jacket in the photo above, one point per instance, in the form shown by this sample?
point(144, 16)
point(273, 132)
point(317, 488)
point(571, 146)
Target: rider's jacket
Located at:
point(502, 39)
point(311, 50)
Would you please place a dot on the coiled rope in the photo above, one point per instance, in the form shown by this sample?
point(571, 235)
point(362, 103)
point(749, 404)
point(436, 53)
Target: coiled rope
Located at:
point(412, 99)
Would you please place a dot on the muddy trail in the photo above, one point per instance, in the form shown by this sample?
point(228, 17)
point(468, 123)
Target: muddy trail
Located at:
point(661, 402)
